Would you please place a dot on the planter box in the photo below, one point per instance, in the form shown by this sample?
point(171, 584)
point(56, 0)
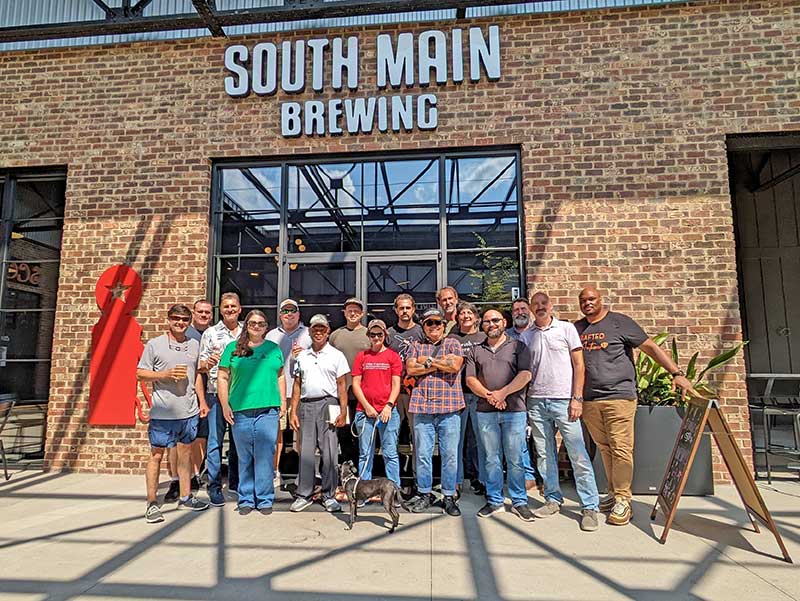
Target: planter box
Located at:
point(655, 431)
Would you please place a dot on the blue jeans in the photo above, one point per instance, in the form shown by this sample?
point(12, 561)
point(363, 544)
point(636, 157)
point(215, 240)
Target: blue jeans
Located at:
point(216, 435)
point(546, 415)
point(470, 411)
point(502, 433)
point(256, 432)
point(366, 444)
point(427, 426)
point(527, 464)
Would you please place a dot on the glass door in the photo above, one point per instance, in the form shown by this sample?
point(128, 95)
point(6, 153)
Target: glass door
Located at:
point(384, 277)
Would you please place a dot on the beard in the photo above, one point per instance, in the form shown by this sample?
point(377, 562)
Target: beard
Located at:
point(521, 321)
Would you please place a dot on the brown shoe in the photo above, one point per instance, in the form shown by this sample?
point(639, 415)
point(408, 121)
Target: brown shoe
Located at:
point(621, 513)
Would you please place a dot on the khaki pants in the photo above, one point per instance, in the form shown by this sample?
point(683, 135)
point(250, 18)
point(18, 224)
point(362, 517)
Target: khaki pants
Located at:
point(610, 423)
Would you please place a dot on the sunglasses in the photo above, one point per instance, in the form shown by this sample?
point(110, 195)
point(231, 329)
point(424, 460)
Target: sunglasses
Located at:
point(288, 311)
point(257, 324)
point(494, 320)
point(180, 319)
point(433, 322)
point(375, 334)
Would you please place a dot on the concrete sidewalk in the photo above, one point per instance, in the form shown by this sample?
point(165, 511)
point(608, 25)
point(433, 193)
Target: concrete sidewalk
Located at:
point(82, 536)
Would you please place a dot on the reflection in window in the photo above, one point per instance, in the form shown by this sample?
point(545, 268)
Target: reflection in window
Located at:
point(482, 201)
point(325, 203)
point(403, 213)
point(484, 277)
point(252, 210)
point(255, 280)
point(322, 288)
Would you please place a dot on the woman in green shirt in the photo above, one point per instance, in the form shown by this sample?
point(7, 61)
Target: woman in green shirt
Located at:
point(252, 393)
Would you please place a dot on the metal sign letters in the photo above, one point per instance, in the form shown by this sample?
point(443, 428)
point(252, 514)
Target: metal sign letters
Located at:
point(432, 57)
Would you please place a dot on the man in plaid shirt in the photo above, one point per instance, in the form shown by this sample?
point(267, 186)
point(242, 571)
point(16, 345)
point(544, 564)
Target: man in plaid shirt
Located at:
point(436, 402)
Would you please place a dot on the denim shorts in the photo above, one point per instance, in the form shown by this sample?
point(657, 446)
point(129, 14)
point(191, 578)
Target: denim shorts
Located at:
point(166, 433)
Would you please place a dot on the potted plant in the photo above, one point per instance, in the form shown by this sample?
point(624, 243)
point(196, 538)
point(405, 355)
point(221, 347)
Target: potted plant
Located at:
point(658, 419)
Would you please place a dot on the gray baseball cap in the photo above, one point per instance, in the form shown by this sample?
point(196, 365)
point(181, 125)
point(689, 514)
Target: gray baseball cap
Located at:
point(319, 320)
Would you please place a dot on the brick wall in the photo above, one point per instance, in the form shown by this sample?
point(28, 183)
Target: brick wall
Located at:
point(621, 116)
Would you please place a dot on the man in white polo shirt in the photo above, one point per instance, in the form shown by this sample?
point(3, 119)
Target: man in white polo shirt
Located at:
point(555, 398)
point(319, 385)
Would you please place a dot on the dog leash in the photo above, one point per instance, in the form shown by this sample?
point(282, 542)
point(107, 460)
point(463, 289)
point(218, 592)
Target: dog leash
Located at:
point(371, 441)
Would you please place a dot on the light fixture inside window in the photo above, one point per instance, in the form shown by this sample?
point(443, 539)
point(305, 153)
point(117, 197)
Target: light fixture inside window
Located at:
point(267, 249)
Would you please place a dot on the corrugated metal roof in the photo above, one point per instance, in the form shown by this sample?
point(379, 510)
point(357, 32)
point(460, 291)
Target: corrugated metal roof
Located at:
point(33, 12)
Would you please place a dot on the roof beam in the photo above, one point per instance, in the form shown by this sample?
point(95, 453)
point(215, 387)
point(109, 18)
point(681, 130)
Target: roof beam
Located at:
point(291, 11)
point(207, 11)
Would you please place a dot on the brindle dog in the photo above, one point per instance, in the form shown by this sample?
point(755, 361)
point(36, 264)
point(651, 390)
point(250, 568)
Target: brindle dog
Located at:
point(361, 490)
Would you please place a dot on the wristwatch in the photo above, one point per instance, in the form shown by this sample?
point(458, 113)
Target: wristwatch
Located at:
point(577, 398)
point(390, 404)
point(675, 374)
point(428, 362)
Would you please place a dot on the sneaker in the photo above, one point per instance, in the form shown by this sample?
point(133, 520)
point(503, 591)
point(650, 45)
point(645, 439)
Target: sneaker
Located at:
point(194, 483)
point(233, 492)
point(300, 503)
point(607, 503)
point(173, 492)
point(244, 509)
point(548, 509)
point(589, 520)
point(215, 497)
point(362, 503)
point(451, 507)
point(192, 503)
point(477, 487)
point(489, 509)
point(265, 510)
point(153, 514)
point(277, 481)
point(621, 513)
point(523, 512)
point(331, 505)
point(425, 502)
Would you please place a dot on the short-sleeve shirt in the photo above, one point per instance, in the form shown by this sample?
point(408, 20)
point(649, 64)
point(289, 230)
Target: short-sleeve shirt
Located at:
point(253, 379)
point(608, 353)
point(514, 334)
point(286, 340)
point(496, 367)
point(437, 392)
point(172, 400)
point(468, 342)
point(214, 340)
point(551, 363)
point(399, 340)
point(318, 372)
point(350, 342)
point(376, 371)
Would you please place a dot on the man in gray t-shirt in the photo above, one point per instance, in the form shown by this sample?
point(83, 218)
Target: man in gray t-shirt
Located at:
point(169, 363)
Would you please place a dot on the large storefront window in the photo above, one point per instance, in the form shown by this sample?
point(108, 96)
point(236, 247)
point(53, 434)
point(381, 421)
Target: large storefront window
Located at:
point(31, 222)
point(324, 230)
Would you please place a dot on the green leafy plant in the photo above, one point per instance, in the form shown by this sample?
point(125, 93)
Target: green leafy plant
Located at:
point(654, 383)
point(494, 281)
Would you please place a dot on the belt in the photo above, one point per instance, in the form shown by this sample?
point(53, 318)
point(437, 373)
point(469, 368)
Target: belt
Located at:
point(314, 399)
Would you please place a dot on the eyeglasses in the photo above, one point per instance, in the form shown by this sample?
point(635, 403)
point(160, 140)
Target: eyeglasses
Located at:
point(179, 319)
point(375, 334)
point(257, 324)
point(433, 322)
point(494, 320)
point(288, 311)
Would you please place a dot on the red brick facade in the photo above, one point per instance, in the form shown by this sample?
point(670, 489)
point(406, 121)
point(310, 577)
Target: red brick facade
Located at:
point(621, 116)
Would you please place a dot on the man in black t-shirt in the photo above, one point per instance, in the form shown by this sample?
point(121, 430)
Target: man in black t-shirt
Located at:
point(610, 393)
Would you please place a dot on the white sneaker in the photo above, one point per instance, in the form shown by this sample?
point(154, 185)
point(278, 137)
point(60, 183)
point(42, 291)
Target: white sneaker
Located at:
point(277, 481)
point(300, 504)
point(332, 505)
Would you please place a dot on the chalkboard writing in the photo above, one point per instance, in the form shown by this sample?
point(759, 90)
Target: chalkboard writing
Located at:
point(700, 412)
point(688, 438)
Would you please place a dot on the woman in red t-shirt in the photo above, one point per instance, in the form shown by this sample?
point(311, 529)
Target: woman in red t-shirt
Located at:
point(376, 384)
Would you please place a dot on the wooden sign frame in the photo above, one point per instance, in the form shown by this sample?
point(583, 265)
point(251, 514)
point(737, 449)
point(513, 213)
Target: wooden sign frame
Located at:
point(680, 463)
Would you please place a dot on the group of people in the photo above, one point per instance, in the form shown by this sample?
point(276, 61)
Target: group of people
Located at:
point(455, 368)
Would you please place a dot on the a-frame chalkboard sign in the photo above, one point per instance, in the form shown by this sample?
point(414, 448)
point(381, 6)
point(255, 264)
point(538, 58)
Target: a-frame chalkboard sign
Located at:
point(699, 414)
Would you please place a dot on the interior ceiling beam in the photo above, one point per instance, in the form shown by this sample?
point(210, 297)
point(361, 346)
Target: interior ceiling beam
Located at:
point(133, 22)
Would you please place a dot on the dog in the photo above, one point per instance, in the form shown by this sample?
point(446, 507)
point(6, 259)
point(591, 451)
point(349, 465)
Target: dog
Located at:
point(361, 490)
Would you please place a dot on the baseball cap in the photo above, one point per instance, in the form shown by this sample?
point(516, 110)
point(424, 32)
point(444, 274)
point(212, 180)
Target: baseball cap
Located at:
point(376, 323)
point(287, 302)
point(319, 320)
point(353, 301)
point(431, 313)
